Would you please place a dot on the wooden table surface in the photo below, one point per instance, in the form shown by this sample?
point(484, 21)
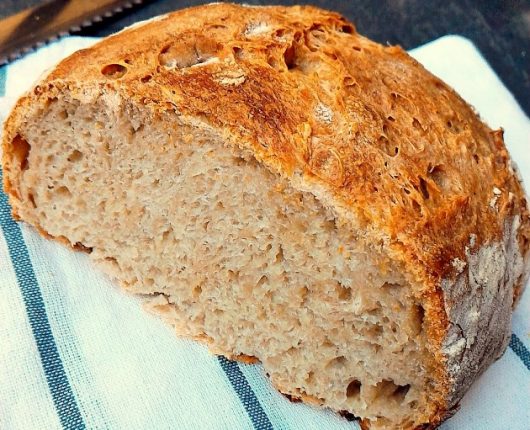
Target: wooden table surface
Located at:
point(500, 29)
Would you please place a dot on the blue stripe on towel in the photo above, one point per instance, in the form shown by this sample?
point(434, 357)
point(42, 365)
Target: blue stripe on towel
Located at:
point(61, 392)
point(251, 403)
point(2, 80)
point(520, 349)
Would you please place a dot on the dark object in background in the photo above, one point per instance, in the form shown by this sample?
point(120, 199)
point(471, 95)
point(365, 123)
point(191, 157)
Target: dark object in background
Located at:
point(33, 27)
point(499, 28)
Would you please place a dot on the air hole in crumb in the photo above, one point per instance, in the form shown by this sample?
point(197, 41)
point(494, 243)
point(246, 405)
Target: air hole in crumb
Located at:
point(416, 206)
point(63, 191)
point(336, 362)
point(327, 343)
point(304, 291)
point(197, 291)
point(75, 156)
point(114, 71)
point(280, 32)
point(374, 330)
point(400, 392)
point(375, 310)
point(233, 275)
point(475, 157)
point(357, 48)
point(329, 225)
point(21, 149)
point(279, 255)
point(388, 390)
point(146, 79)
point(127, 61)
point(263, 280)
point(416, 123)
point(353, 389)
point(137, 129)
point(418, 316)
point(51, 100)
point(31, 198)
point(344, 293)
point(390, 285)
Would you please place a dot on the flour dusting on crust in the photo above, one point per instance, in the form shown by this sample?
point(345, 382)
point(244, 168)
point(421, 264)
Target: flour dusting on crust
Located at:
point(478, 306)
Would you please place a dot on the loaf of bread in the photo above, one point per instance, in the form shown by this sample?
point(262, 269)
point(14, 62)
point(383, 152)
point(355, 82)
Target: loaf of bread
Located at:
point(286, 191)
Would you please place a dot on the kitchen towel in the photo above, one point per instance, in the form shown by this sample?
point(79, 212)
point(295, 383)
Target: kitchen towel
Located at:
point(76, 352)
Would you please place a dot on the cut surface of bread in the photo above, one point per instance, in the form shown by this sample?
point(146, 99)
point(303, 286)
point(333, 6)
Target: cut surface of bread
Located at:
point(234, 253)
point(284, 189)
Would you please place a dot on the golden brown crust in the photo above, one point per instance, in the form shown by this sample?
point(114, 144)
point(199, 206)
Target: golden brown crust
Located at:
point(364, 126)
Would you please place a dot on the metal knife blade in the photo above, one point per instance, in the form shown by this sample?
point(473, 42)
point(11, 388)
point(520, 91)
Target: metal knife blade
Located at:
point(36, 26)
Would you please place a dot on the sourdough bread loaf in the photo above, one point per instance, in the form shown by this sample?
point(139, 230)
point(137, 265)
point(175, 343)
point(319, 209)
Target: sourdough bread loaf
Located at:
point(286, 191)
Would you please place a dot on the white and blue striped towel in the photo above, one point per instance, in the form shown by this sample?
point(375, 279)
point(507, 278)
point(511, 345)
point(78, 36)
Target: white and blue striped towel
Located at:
point(77, 353)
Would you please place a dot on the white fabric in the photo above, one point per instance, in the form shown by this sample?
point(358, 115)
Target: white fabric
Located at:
point(126, 368)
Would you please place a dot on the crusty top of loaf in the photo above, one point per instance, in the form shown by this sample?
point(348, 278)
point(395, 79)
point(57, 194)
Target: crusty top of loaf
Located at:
point(378, 136)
